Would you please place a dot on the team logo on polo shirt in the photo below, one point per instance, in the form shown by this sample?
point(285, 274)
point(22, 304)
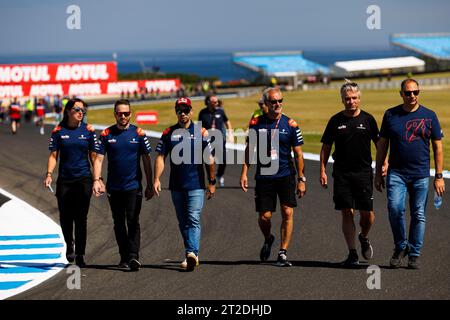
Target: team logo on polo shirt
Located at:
point(134, 141)
point(112, 141)
point(283, 131)
point(361, 126)
point(65, 137)
point(342, 127)
point(82, 137)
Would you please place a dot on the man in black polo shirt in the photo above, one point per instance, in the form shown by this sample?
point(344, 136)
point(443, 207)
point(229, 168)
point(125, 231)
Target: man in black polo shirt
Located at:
point(351, 130)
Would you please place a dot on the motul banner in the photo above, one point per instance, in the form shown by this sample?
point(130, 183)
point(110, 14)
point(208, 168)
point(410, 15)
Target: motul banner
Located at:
point(89, 89)
point(147, 117)
point(58, 72)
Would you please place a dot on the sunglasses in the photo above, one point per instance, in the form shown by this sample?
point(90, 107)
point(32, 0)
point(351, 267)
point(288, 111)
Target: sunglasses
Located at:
point(275, 101)
point(408, 93)
point(125, 114)
point(184, 110)
point(78, 109)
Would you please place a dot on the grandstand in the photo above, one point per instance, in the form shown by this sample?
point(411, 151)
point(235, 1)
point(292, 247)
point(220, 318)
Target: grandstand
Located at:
point(434, 48)
point(288, 66)
point(375, 67)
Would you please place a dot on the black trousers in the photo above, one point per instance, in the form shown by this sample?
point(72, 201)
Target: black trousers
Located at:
point(126, 207)
point(73, 198)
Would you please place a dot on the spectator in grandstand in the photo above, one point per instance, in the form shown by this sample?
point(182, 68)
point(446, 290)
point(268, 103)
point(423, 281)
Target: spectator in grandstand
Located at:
point(214, 118)
point(187, 177)
point(408, 129)
point(75, 143)
point(125, 145)
point(276, 178)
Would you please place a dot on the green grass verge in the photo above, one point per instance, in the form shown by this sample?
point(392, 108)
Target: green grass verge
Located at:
point(311, 109)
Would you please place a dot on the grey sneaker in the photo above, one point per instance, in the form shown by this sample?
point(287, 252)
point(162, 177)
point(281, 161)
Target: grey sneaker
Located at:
point(282, 260)
point(366, 247)
point(397, 257)
point(413, 262)
point(266, 248)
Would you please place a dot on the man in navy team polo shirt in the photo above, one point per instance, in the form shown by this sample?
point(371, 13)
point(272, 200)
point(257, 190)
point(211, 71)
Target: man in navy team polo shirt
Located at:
point(189, 148)
point(125, 145)
point(276, 177)
point(214, 118)
point(407, 129)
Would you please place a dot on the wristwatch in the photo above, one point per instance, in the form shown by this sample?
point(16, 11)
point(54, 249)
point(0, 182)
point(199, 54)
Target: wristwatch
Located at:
point(301, 179)
point(438, 175)
point(213, 182)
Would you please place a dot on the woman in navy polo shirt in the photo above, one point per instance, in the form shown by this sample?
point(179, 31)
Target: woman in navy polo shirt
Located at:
point(75, 143)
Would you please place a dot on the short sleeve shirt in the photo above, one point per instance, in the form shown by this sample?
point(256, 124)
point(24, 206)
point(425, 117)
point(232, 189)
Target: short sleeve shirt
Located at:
point(186, 170)
point(289, 136)
point(74, 145)
point(409, 135)
point(352, 137)
point(124, 149)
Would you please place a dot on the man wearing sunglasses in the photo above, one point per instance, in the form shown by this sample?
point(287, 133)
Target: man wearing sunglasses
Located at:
point(281, 180)
point(407, 129)
point(125, 145)
point(189, 148)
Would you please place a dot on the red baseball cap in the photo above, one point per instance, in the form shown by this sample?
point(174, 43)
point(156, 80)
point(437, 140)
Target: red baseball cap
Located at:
point(183, 101)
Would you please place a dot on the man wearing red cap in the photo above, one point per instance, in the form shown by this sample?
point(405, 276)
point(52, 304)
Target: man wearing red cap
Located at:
point(189, 147)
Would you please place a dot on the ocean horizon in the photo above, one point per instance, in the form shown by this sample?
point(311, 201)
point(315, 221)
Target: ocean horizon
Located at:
point(211, 63)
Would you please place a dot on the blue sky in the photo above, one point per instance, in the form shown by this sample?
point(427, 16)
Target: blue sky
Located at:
point(29, 27)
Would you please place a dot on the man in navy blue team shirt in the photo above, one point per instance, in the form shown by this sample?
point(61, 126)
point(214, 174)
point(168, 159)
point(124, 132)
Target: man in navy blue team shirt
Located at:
point(275, 171)
point(125, 145)
point(189, 148)
point(214, 118)
point(407, 129)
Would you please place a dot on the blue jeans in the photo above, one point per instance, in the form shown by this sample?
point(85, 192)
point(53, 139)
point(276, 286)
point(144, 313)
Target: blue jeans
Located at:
point(188, 206)
point(397, 185)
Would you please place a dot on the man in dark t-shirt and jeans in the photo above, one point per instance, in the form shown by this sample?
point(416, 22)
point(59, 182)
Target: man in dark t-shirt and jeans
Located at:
point(351, 130)
point(407, 129)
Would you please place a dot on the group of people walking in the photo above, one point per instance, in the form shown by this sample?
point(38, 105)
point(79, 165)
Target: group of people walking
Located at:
point(276, 144)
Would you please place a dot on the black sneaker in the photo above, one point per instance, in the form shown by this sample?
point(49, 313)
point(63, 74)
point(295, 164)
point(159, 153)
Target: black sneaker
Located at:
point(70, 253)
point(366, 247)
point(282, 260)
point(79, 261)
point(351, 261)
point(266, 248)
point(123, 265)
point(397, 257)
point(413, 262)
point(134, 264)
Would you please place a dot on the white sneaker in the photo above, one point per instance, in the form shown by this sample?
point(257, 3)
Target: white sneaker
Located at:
point(183, 264)
point(41, 131)
point(222, 182)
point(191, 261)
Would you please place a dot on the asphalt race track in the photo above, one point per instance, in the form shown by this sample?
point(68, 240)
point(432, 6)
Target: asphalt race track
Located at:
point(231, 240)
